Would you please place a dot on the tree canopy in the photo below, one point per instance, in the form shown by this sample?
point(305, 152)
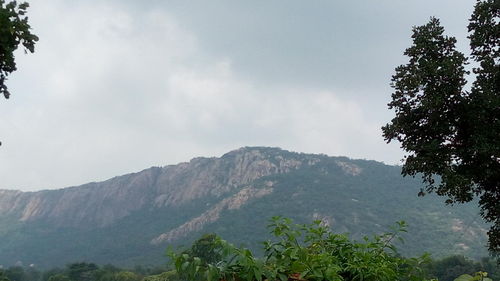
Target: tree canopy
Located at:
point(303, 252)
point(451, 134)
point(3, 277)
point(14, 30)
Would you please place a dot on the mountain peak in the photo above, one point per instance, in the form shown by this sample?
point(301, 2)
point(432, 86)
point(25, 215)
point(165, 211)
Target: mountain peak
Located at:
point(231, 195)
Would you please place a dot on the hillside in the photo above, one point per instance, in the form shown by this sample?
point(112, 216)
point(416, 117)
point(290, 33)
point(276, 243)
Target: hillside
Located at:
point(131, 219)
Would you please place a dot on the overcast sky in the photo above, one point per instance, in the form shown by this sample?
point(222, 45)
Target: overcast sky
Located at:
point(118, 86)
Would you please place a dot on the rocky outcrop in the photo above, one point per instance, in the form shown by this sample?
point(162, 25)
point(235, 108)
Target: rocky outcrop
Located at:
point(131, 218)
point(12, 201)
point(349, 168)
point(100, 204)
point(216, 176)
point(213, 214)
point(96, 204)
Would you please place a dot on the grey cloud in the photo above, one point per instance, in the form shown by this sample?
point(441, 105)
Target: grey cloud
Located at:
point(317, 43)
point(117, 86)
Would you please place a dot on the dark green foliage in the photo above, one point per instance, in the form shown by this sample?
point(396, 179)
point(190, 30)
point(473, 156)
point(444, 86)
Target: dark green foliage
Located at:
point(73, 272)
point(446, 130)
point(82, 271)
point(289, 236)
point(171, 275)
point(447, 269)
point(46, 275)
point(3, 277)
point(59, 277)
point(14, 30)
point(206, 248)
point(125, 276)
point(484, 112)
point(305, 252)
point(19, 273)
point(16, 273)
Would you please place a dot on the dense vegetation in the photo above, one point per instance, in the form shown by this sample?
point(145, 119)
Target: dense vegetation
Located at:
point(448, 131)
point(303, 252)
point(360, 204)
point(297, 253)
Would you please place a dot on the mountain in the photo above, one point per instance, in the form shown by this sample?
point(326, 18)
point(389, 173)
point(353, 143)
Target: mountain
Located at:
point(131, 219)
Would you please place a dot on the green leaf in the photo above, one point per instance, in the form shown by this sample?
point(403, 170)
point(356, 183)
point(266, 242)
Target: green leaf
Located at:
point(464, 277)
point(258, 274)
point(185, 265)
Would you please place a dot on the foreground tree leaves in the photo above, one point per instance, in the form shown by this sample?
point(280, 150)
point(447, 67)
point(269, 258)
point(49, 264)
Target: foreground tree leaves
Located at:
point(303, 252)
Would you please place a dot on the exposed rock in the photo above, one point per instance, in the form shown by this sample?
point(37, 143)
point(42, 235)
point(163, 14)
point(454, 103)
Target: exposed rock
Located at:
point(457, 225)
point(115, 220)
point(327, 221)
point(462, 246)
point(216, 176)
point(213, 214)
point(100, 204)
point(349, 168)
point(313, 161)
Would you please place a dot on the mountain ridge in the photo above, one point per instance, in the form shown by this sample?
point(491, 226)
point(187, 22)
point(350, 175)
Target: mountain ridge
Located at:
point(33, 201)
point(129, 219)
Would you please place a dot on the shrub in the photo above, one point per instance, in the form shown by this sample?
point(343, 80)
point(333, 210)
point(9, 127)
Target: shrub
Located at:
point(304, 252)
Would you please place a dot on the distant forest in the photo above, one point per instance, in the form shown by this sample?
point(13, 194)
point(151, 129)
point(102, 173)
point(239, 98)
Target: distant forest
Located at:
point(285, 255)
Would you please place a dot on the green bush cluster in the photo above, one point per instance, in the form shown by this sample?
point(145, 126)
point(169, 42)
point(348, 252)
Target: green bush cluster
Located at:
point(304, 252)
point(298, 252)
point(80, 271)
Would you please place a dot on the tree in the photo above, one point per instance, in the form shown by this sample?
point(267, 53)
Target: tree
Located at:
point(451, 135)
point(447, 269)
point(306, 252)
point(59, 277)
point(16, 273)
point(206, 248)
point(479, 276)
point(14, 30)
point(126, 276)
point(81, 271)
point(3, 277)
point(171, 275)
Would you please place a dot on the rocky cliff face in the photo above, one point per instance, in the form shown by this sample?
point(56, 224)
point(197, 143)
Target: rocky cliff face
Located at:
point(105, 202)
point(130, 219)
point(212, 214)
point(89, 204)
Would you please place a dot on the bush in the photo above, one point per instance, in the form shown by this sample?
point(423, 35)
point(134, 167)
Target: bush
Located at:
point(304, 252)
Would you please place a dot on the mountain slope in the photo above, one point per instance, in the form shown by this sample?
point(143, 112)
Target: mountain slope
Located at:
point(131, 219)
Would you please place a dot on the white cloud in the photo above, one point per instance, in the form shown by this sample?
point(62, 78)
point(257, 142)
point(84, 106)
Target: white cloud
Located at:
point(111, 90)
